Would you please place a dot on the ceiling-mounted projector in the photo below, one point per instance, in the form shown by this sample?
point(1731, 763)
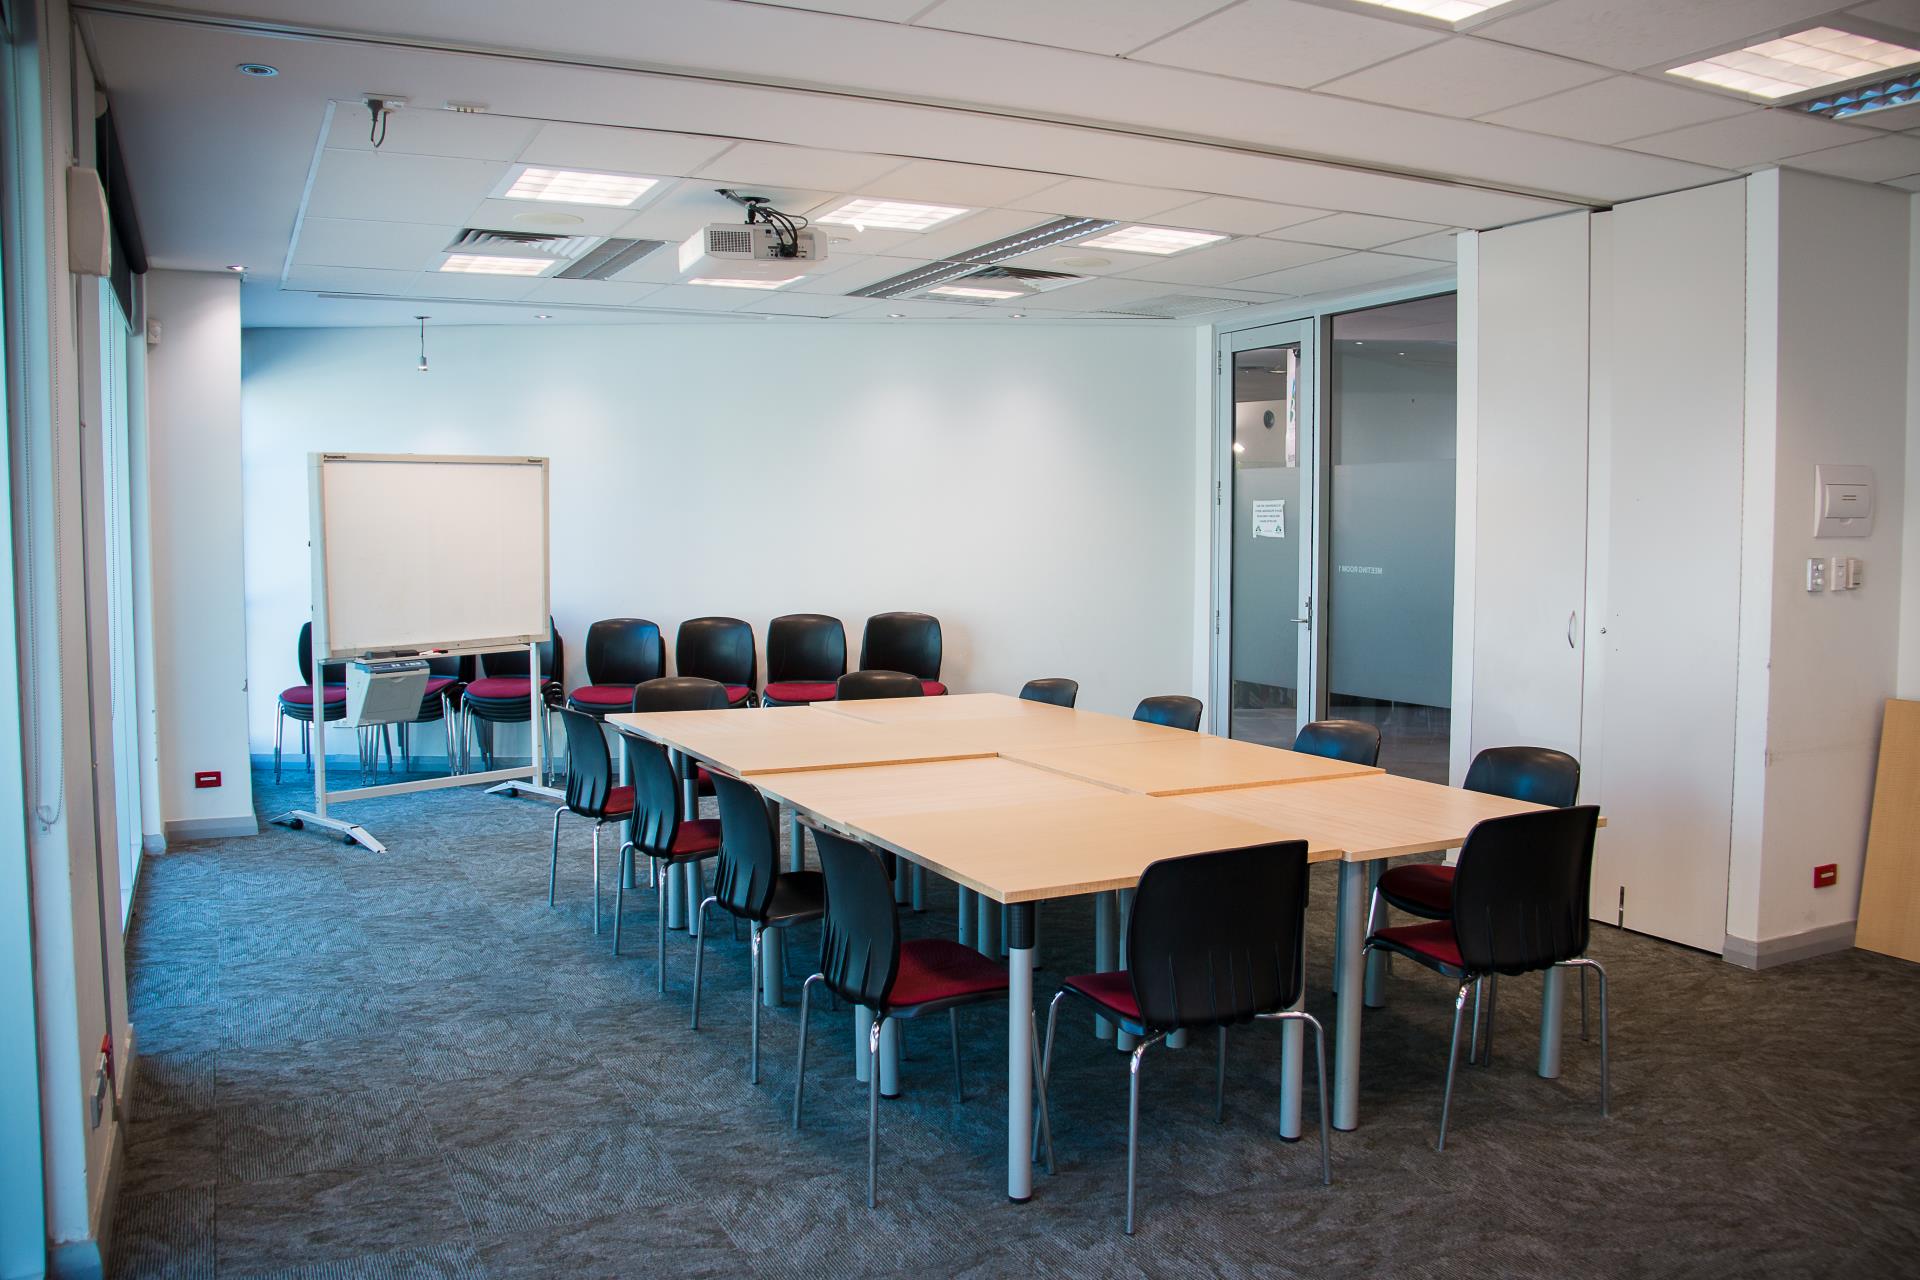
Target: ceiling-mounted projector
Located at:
point(750, 251)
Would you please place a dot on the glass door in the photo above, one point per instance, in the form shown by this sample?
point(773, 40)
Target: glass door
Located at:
point(1266, 534)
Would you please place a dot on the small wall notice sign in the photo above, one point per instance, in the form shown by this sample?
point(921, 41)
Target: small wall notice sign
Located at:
point(1270, 518)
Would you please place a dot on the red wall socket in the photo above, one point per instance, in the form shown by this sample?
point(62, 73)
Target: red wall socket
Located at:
point(1826, 875)
point(206, 778)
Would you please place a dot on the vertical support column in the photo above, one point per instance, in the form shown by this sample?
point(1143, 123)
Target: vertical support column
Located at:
point(1124, 910)
point(1346, 1032)
point(535, 715)
point(1553, 989)
point(797, 853)
point(862, 1060)
point(1104, 951)
point(1020, 1052)
point(919, 887)
point(986, 932)
point(968, 912)
point(1293, 1043)
point(890, 1059)
point(1376, 979)
point(773, 947)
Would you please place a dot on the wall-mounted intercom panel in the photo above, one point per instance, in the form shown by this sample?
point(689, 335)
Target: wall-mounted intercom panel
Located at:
point(1842, 501)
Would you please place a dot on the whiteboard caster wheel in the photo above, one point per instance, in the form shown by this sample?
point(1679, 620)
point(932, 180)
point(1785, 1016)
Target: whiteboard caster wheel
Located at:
point(346, 839)
point(296, 825)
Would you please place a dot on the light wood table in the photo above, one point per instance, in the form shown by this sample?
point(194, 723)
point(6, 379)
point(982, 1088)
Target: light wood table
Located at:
point(952, 706)
point(744, 742)
point(1185, 762)
point(1371, 819)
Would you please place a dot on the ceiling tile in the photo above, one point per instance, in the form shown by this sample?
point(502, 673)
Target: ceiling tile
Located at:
point(460, 284)
point(426, 132)
point(1098, 26)
point(693, 204)
point(1631, 34)
point(1351, 271)
point(1441, 246)
point(1875, 160)
point(383, 246)
point(1907, 184)
point(1238, 217)
point(763, 162)
point(1904, 14)
point(915, 309)
point(1226, 263)
point(1463, 77)
point(588, 146)
point(857, 273)
point(699, 297)
point(1285, 42)
point(965, 234)
point(1616, 109)
point(1759, 138)
point(1088, 198)
point(976, 186)
point(350, 280)
point(1356, 230)
point(392, 186)
point(607, 293)
point(803, 304)
point(542, 216)
point(886, 10)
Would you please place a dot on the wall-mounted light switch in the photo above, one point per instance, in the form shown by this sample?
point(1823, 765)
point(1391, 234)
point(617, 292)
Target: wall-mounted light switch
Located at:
point(1856, 573)
point(1817, 574)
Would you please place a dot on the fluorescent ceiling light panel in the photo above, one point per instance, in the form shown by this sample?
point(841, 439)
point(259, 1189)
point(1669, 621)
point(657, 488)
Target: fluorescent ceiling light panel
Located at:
point(1445, 10)
point(975, 291)
point(890, 215)
point(577, 186)
point(720, 283)
point(487, 265)
point(1155, 240)
point(1807, 60)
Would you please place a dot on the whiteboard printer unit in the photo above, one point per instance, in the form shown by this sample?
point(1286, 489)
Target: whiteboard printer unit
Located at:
point(385, 691)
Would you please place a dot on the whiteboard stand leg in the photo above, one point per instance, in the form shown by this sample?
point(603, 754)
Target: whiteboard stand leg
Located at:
point(316, 817)
point(349, 832)
point(536, 787)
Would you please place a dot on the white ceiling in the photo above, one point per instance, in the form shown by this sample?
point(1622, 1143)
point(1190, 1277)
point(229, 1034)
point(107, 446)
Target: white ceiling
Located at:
point(1340, 144)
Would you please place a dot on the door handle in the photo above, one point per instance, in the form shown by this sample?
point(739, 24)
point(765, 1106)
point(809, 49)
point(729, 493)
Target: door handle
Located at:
point(1570, 618)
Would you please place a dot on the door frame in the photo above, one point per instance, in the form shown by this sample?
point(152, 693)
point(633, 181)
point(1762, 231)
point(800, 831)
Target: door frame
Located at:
point(1304, 332)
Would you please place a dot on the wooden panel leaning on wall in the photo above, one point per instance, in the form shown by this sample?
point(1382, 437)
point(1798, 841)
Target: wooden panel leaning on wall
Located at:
point(1890, 886)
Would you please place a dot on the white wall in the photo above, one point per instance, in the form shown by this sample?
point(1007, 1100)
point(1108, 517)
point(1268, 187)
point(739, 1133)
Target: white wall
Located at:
point(1908, 679)
point(1031, 485)
point(199, 629)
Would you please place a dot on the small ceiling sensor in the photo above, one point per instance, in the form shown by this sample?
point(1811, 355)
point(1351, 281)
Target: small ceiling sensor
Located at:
point(236, 267)
point(1017, 315)
point(542, 315)
point(260, 69)
point(896, 315)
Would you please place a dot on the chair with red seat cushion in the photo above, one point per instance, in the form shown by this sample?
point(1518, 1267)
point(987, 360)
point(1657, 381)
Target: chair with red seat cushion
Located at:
point(864, 962)
point(1520, 897)
point(750, 886)
point(1213, 941)
point(659, 833)
point(719, 649)
point(684, 693)
point(621, 653)
point(590, 793)
point(806, 654)
point(296, 701)
point(907, 642)
point(503, 693)
point(447, 679)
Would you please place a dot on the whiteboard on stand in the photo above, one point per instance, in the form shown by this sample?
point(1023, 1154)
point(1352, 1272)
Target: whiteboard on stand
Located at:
point(415, 551)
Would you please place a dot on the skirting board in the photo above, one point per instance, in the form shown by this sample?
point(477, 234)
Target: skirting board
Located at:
point(153, 844)
point(212, 828)
point(1766, 953)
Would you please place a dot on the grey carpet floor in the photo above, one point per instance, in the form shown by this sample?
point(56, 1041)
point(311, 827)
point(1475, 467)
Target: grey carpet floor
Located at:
point(360, 1066)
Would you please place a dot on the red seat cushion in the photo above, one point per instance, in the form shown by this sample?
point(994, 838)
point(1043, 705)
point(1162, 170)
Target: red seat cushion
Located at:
point(1112, 990)
point(599, 695)
point(619, 802)
point(932, 688)
point(1422, 887)
point(435, 684)
point(697, 836)
point(703, 780)
point(941, 969)
point(1432, 944)
point(737, 694)
point(301, 695)
point(802, 691)
point(501, 687)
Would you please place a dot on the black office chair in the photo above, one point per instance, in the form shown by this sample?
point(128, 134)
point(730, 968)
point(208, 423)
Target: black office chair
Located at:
point(660, 834)
point(1354, 741)
point(1520, 898)
point(1055, 690)
point(806, 655)
point(684, 693)
point(1175, 710)
point(296, 701)
point(864, 962)
point(907, 642)
point(1213, 941)
point(621, 653)
point(749, 884)
point(856, 685)
point(590, 793)
point(1540, 775)
point(447, 679)
point(502, 696)
point(719, 649)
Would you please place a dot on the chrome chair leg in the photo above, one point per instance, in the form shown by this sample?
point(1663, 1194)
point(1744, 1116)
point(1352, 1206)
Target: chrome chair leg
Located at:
point(1044, 1065)
point(1320, 1079)
point(596, 879)
point(279, 727)
point(1473, 1036)
point(553, 867)
point(873, 1104)
point(1220, 1081)
point(699, 958)
point(1583, 1003)
point(1133, 1120)
point(1453, 1057)
point(756, 966)
point(953, 1025)
point(800, 1071)
point(1040, 1092)
point(620, 890)
point(1493, 1008)
point(1583, 964)
point(661, 898)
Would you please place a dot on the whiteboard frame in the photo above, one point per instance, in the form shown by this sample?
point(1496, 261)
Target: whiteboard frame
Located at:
point(323, 649)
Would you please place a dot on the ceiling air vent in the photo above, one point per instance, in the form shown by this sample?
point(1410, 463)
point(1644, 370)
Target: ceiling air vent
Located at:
point(608, 258)
point(922, 279)
point(997, 284)
point(520, 244)
point(1172, 306)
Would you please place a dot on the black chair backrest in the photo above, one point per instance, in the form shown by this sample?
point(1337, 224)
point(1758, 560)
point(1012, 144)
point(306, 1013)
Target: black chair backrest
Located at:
point(1520, 891)
point(717, 649)
point(1214, 938)
point(1175, 710)
point(460, 668)
point(1537, 774)
point(589, 764)
point(749, 848)
point(625, 651)
point(680, 693)
point(330, 672)
point(656, 797)
point(513, 662)
point(860, 937)
point(1354, 741)
point(856, 685)
point(808, 647)
point(907, 642)
point(1057, 690)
